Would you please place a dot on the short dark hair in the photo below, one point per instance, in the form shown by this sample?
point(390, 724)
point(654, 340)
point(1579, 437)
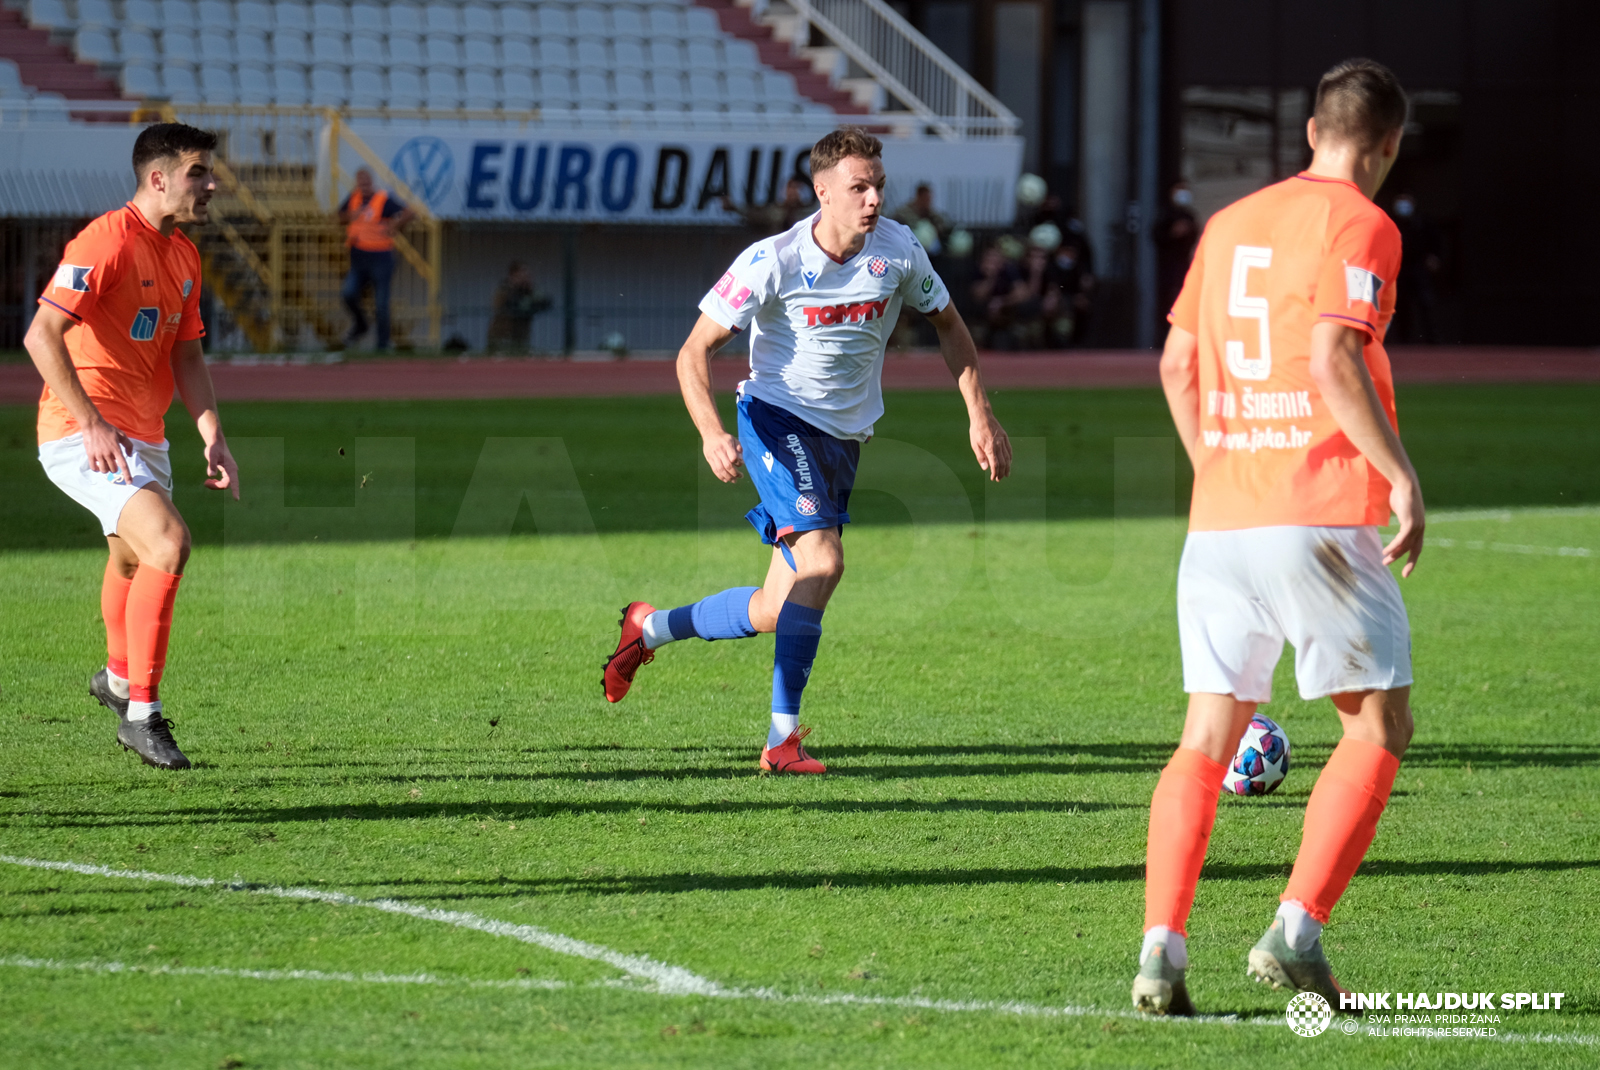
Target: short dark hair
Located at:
point(842, 143)
point(166, 141)
point(1360, 101)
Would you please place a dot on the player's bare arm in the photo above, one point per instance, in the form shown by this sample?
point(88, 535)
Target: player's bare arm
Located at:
point(106, 447)
point(989, 442)
point(1344, 383)
point(1180, 381)
point(722, 451)
point(200, 398)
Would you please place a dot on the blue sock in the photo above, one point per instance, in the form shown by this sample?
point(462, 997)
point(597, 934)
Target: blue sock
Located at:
point(799, 632)
point(725, 615)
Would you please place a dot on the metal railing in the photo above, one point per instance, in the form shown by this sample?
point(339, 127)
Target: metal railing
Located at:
point(909, 67)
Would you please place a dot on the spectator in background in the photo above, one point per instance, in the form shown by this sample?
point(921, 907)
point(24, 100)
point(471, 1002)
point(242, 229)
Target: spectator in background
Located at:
point(1416, 294)
point(371, 218)
point(931, 227)
point(516, 302)
point(765, 220)
point(1176, 233)
point(996, 291)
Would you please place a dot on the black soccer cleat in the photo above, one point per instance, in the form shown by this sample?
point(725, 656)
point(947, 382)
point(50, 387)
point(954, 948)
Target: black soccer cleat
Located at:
point(151, 739)
point(100, 691)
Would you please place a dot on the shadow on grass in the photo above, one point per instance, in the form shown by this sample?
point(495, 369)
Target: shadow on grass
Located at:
point(668, 883)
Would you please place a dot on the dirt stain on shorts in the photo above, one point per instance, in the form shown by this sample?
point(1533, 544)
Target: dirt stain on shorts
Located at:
point(1330, 555)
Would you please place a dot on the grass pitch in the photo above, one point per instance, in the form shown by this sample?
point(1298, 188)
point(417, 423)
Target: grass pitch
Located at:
point(380, 711)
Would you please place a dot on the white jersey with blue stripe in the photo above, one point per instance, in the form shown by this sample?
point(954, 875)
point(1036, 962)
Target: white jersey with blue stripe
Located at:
point(819, 326)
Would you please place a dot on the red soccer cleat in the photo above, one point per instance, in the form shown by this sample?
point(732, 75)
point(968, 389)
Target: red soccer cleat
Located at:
point(790, 756)
point(631, 651)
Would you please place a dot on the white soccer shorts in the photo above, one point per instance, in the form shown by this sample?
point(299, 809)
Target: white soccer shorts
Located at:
point(1242, 593)
point(104, 493)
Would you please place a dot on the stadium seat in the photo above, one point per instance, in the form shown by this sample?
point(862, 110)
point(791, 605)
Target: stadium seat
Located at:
point(11, 80)
point(702, 22)
point(442, 51)
point(289, 85)
point(666, 21)
point(253, 46)
point(407, 18)
point(215, 46)
point(50, 15)
point(590, 54)
point(370, 17)
point(554, 20)
point(49, 108)
point(213, 14)
point(740, 55)
point(101, 13)
point(405, 88)
point(702, 56)
point(591, 20)
point(479, 51)
point(178, 45)
point(480, 18)
point(554, 52)
point(139, 79)
point(405, 49)
point(95, 44)
point(666, 86)
point(178, 84)
point(443, 89)
point(479, 90)
point(517, 53)
point(628, 22)
point(519, 21)
point(666, 56)
point(179, 14)
point(367, 47)
point(329, 48)
point(135, 45)
point(291, 16)
point(592, 87)
point(778, 85)
point(289, 46)
point(254, 14)
point(330, 18)
point(741, 87)
point(367, 87)
point(329, 86)
point(704, 89)
point(628, 54)
point(518, 91)
point(255, 84)
point(555, 87)
point(145, 14)
point(217, 84)
point(443, 18)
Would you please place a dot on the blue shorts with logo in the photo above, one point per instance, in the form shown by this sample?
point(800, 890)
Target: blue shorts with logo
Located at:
point(802, 473)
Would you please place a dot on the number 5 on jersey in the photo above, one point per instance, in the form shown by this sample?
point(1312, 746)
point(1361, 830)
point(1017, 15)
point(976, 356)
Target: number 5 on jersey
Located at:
point(1242, 306)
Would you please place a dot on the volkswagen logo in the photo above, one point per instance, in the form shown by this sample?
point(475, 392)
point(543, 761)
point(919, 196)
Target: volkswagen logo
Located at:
point(425, 164)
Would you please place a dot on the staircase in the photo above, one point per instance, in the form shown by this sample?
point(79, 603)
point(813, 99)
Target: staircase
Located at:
point(780, 55)
point(48, 67)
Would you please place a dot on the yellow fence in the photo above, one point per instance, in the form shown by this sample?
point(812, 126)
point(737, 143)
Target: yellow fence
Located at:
point(274, 253)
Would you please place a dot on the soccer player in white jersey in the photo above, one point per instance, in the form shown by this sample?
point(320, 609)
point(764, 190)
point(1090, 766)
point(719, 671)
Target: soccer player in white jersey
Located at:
point(819, 301)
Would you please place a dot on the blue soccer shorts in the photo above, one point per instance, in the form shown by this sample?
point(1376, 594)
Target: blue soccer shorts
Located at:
point(802, 473)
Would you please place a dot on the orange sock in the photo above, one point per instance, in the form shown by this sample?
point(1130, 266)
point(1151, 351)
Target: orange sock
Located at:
point(149, 622)
point(1182, 811)
point(1341, 819)
point(114, 608)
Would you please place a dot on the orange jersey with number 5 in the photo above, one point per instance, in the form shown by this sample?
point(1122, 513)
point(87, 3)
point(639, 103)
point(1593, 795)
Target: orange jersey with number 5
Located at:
point(132, 293)
point(1307, 250)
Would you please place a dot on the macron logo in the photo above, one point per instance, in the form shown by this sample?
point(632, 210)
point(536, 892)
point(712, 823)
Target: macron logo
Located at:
point(766, 459)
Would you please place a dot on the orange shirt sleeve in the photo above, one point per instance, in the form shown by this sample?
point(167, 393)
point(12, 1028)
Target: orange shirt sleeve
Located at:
point(88, 268)
point(1356, 284)
point(1186, 310)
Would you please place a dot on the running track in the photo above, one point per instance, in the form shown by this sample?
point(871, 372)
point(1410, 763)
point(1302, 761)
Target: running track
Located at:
point(524, 378)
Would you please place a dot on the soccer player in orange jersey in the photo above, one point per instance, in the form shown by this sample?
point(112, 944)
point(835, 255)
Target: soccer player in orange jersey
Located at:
point(1280, 388)
point(117, 327)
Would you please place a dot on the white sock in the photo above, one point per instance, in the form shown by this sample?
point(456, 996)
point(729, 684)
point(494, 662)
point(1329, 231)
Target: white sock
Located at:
point(118, 684)
point(142, 711)
point(656, 632)
point(1299, 928)
point(782, 725)
point(1177, 946)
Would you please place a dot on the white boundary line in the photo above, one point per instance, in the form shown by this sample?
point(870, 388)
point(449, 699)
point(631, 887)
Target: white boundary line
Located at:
point(663, 979)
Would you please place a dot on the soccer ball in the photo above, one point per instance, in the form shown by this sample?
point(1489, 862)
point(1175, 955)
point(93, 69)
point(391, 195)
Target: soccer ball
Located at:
point(1262, 760)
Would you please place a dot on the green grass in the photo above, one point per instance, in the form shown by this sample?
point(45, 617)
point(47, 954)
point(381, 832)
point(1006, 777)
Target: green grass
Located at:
point(419, 717)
